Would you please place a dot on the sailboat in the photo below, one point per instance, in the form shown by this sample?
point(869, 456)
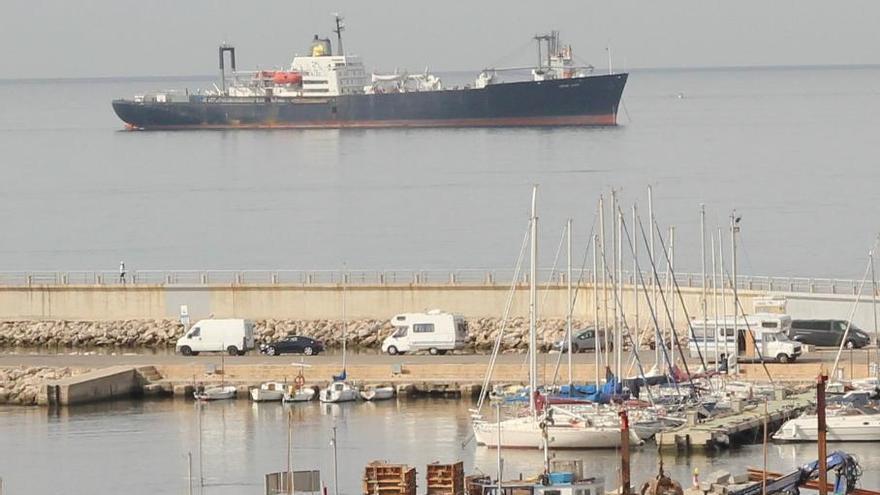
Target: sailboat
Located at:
point(340, 390)
point(547, 425)
point(221, 392)
point(299, 392)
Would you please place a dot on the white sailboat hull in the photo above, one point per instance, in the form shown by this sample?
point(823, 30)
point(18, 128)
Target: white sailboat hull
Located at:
point(304, 394)
point(858, 428)
point(378, 393)
point(268, 392)
point(216, 393)
point(526, 433)
point(338, 392)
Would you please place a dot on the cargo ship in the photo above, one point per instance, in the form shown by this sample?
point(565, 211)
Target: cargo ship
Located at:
point(327, 90)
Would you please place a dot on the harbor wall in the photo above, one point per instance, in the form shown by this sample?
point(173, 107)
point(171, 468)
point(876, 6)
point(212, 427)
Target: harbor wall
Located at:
point(316, 303)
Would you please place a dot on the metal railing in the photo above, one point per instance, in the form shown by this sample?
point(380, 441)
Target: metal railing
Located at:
point(471, 276)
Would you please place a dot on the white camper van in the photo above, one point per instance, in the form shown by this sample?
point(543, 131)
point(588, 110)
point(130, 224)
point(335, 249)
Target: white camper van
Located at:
point(436, 331)
point(731, 338)
point(233, 336)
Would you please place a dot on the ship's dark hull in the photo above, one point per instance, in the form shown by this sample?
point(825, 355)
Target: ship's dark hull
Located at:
point(580, 101)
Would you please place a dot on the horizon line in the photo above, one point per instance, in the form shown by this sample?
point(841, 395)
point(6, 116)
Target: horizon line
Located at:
point(191, 77)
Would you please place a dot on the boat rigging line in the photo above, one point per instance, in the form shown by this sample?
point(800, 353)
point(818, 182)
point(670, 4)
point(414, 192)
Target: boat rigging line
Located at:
point(868, 271)
point(496, 349)
point(633, 347)
point(677, 343)
point(687, 318)
point(661, 344)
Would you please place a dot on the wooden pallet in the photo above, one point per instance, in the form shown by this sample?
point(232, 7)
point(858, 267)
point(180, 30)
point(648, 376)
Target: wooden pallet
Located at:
point(389, 479)
point(445, 479)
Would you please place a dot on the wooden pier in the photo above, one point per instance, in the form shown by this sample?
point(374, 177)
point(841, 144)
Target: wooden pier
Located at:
point(744, 426)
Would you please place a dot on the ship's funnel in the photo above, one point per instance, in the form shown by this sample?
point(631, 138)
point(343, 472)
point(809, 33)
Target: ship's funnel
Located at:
point(321, 47)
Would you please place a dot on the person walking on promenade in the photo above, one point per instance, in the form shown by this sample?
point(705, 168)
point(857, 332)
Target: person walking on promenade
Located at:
point(121, 272)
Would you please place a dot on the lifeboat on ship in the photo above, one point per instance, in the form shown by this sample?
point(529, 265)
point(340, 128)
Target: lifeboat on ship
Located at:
point(287, 78)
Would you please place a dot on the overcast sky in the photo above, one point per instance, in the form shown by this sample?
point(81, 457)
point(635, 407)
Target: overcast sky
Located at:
point(81, 38)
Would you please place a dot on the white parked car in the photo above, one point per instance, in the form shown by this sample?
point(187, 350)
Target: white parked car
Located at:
point(233, 336)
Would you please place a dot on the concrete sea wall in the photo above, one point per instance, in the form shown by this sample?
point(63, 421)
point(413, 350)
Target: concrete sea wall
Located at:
point(306, 301)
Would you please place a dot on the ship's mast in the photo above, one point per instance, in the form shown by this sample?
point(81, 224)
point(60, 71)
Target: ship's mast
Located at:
point(544, 38)
point(340, 27)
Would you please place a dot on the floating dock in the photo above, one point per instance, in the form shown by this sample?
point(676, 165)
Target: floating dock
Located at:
point(744, 426)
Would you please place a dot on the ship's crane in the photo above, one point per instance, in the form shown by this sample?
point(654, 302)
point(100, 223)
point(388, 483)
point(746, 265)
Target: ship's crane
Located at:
point(845, 467)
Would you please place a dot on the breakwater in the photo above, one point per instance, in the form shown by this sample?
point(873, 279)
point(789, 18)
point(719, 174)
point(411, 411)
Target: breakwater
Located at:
point(163, 333)
point(22, 385)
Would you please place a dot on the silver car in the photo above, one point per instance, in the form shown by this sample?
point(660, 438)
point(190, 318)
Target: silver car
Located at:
point(583, 340)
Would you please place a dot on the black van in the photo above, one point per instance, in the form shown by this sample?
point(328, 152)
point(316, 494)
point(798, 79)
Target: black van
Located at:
point(827, 333)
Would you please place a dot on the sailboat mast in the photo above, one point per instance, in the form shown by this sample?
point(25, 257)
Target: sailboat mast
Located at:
point(734, 228)
point(703, 278)
point(635, 292)
point(614, 280)
point(618, 345)
point(658, 338)
point(290, 451)
point(874, 310)
point(670, 274)
point(724, 294)
point(533, 307)
point(598, 343)
point(605, 325)
point(570, 302)
point(344, 319)
point(714, 301)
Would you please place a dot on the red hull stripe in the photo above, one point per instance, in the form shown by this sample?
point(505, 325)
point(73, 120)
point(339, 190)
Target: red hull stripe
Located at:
point(577, 120)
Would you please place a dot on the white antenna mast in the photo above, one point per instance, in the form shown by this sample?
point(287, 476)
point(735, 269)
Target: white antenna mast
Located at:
point(340, 27)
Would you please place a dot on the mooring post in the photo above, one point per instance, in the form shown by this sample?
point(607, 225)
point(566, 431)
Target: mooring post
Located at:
point(820, 415)
point(624, 453)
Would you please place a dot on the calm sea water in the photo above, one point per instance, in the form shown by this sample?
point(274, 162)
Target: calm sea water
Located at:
point(141, 447)
point(793, 150)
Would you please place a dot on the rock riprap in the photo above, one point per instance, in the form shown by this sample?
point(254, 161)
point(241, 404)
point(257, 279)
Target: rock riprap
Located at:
point(365, 333)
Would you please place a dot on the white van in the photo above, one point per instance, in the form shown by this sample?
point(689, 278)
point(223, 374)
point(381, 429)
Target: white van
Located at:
point(436, 331)
point(770, 331)
point(233, 336)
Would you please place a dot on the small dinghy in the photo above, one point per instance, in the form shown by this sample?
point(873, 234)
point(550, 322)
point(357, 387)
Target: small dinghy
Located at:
point(268, 392)
point(377, 392)
point(215, 393)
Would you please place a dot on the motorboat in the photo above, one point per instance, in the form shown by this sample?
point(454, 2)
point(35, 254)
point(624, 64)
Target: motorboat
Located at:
point(843, 424)
point(268, 392)
point(338, 391)
point(377, 392)
point(301, 394)
point(564, 430)
point(215, 393)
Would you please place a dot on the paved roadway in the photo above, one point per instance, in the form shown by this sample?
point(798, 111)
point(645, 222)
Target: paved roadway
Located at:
point(103, 358)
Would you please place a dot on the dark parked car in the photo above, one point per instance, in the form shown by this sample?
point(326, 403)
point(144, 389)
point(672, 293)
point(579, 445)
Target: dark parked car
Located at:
point(583, 340)
point(827, 333)
point(293, 344)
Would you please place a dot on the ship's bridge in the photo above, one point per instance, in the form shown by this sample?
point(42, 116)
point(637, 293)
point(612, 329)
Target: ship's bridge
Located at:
point(331, 75)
